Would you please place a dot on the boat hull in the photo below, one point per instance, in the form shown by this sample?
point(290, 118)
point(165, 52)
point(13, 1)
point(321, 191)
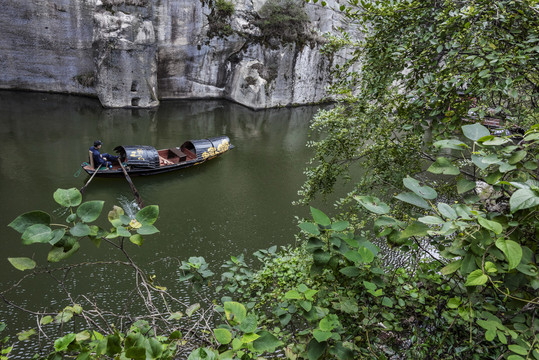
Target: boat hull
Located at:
point(191, 153)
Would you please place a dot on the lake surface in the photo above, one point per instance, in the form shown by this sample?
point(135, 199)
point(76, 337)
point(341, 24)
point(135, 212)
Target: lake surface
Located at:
point(237, 203)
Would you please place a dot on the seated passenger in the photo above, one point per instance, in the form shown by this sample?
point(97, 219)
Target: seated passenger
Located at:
point(101, 159)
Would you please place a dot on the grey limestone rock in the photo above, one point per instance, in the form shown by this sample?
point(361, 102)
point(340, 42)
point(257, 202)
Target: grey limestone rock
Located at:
point(133, 53)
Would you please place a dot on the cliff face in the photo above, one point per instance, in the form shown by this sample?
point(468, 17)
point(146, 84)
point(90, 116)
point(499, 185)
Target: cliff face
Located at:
point(131, 53)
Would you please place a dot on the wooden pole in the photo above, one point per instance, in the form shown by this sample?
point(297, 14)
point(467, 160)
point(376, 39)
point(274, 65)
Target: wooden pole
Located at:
point(85, 185)
point(133, 188)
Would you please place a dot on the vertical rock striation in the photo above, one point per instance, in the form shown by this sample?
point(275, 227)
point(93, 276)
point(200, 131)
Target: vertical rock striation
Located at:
point(125, 54)
point(131, 53)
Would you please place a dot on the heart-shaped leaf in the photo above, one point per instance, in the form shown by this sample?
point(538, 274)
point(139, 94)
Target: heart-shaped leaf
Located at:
point(443, 166)
point(425, 192)
point(373, 204)
point(475, 131)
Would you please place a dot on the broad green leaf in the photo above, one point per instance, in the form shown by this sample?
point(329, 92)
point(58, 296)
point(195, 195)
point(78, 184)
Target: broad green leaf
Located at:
point(431, 220)
point(495, 141)
point(353, 256)
point(476, 278)
point(454, 303)
point(310, 228)
point(367, 255)
point(341, 352)
point(425, 192)
point(413, 199)
point(37, 233)
point(235, 312)
point(315, 349)
point(306, 305)
point(314, 244)
point(62, 343)
point(475, 131)
point(387, 302)
point(154, 348)
point(176, 315)
point(293, 295)
point(369, 285)
point(479, 161)
point(490, 267)
point(266, 342)
point(191, 309)
point(511, 250)
point(523, 199)
point(450, 144)
point(135, 352)
point(136, 239)
point(373, 204)
point(309, 294)
point(24, 221)
point(205, 354)
point(517, 157)
point(123, 232)
point(147, 230)
point(447, 211)
point(321, 335)
point(63, 317)
point(46, 320)
point(329, 322)
point(68, 197)
point(57, 254)
point(490, 225)
point(57, 235)
point(502, 337)
point(80, 230)
point(114, 216)
point(90, 210)
point(22, 263)
point(443, 166)
point(249, 324)
point(25, 335)
point(148, 215)
point(319, 217)
point(517, 349)
point(464, 186)
point(321, 257)
point(350, 271)
point(249, 338)
point(340, 225)
point(415, 229)
point(451, 267)
point(223, 336)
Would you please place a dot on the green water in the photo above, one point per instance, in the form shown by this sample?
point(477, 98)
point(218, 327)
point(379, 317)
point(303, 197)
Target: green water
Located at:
point(237, 203)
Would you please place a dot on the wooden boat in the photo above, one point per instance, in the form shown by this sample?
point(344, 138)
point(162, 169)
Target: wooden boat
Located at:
point(141, 160)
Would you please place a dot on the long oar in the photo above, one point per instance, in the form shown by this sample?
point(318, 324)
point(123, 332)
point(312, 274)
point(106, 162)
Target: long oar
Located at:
point(133, 188)
point(85, 185)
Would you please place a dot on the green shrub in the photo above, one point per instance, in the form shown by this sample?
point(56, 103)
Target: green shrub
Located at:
point(285, 20)
point(219, 18)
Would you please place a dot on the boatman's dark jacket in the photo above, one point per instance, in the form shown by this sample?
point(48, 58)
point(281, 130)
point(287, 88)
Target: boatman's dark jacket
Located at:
point(101, 159)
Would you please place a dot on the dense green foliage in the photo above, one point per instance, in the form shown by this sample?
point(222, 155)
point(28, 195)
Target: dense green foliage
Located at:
point(285, 20)
point(219, 18)
point(423, 65)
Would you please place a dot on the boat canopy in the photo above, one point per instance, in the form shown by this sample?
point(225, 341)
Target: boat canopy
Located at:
point(207, 148)
point(144, 156)
point(139, 155)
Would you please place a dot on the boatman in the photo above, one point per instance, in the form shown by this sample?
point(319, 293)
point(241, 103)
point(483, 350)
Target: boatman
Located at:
point(101, 159)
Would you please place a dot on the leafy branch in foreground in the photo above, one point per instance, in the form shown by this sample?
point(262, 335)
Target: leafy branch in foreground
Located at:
point(470, 294)
point(165, 329)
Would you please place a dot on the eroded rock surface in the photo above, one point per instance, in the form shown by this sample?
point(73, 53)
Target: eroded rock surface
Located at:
point(131, 53)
